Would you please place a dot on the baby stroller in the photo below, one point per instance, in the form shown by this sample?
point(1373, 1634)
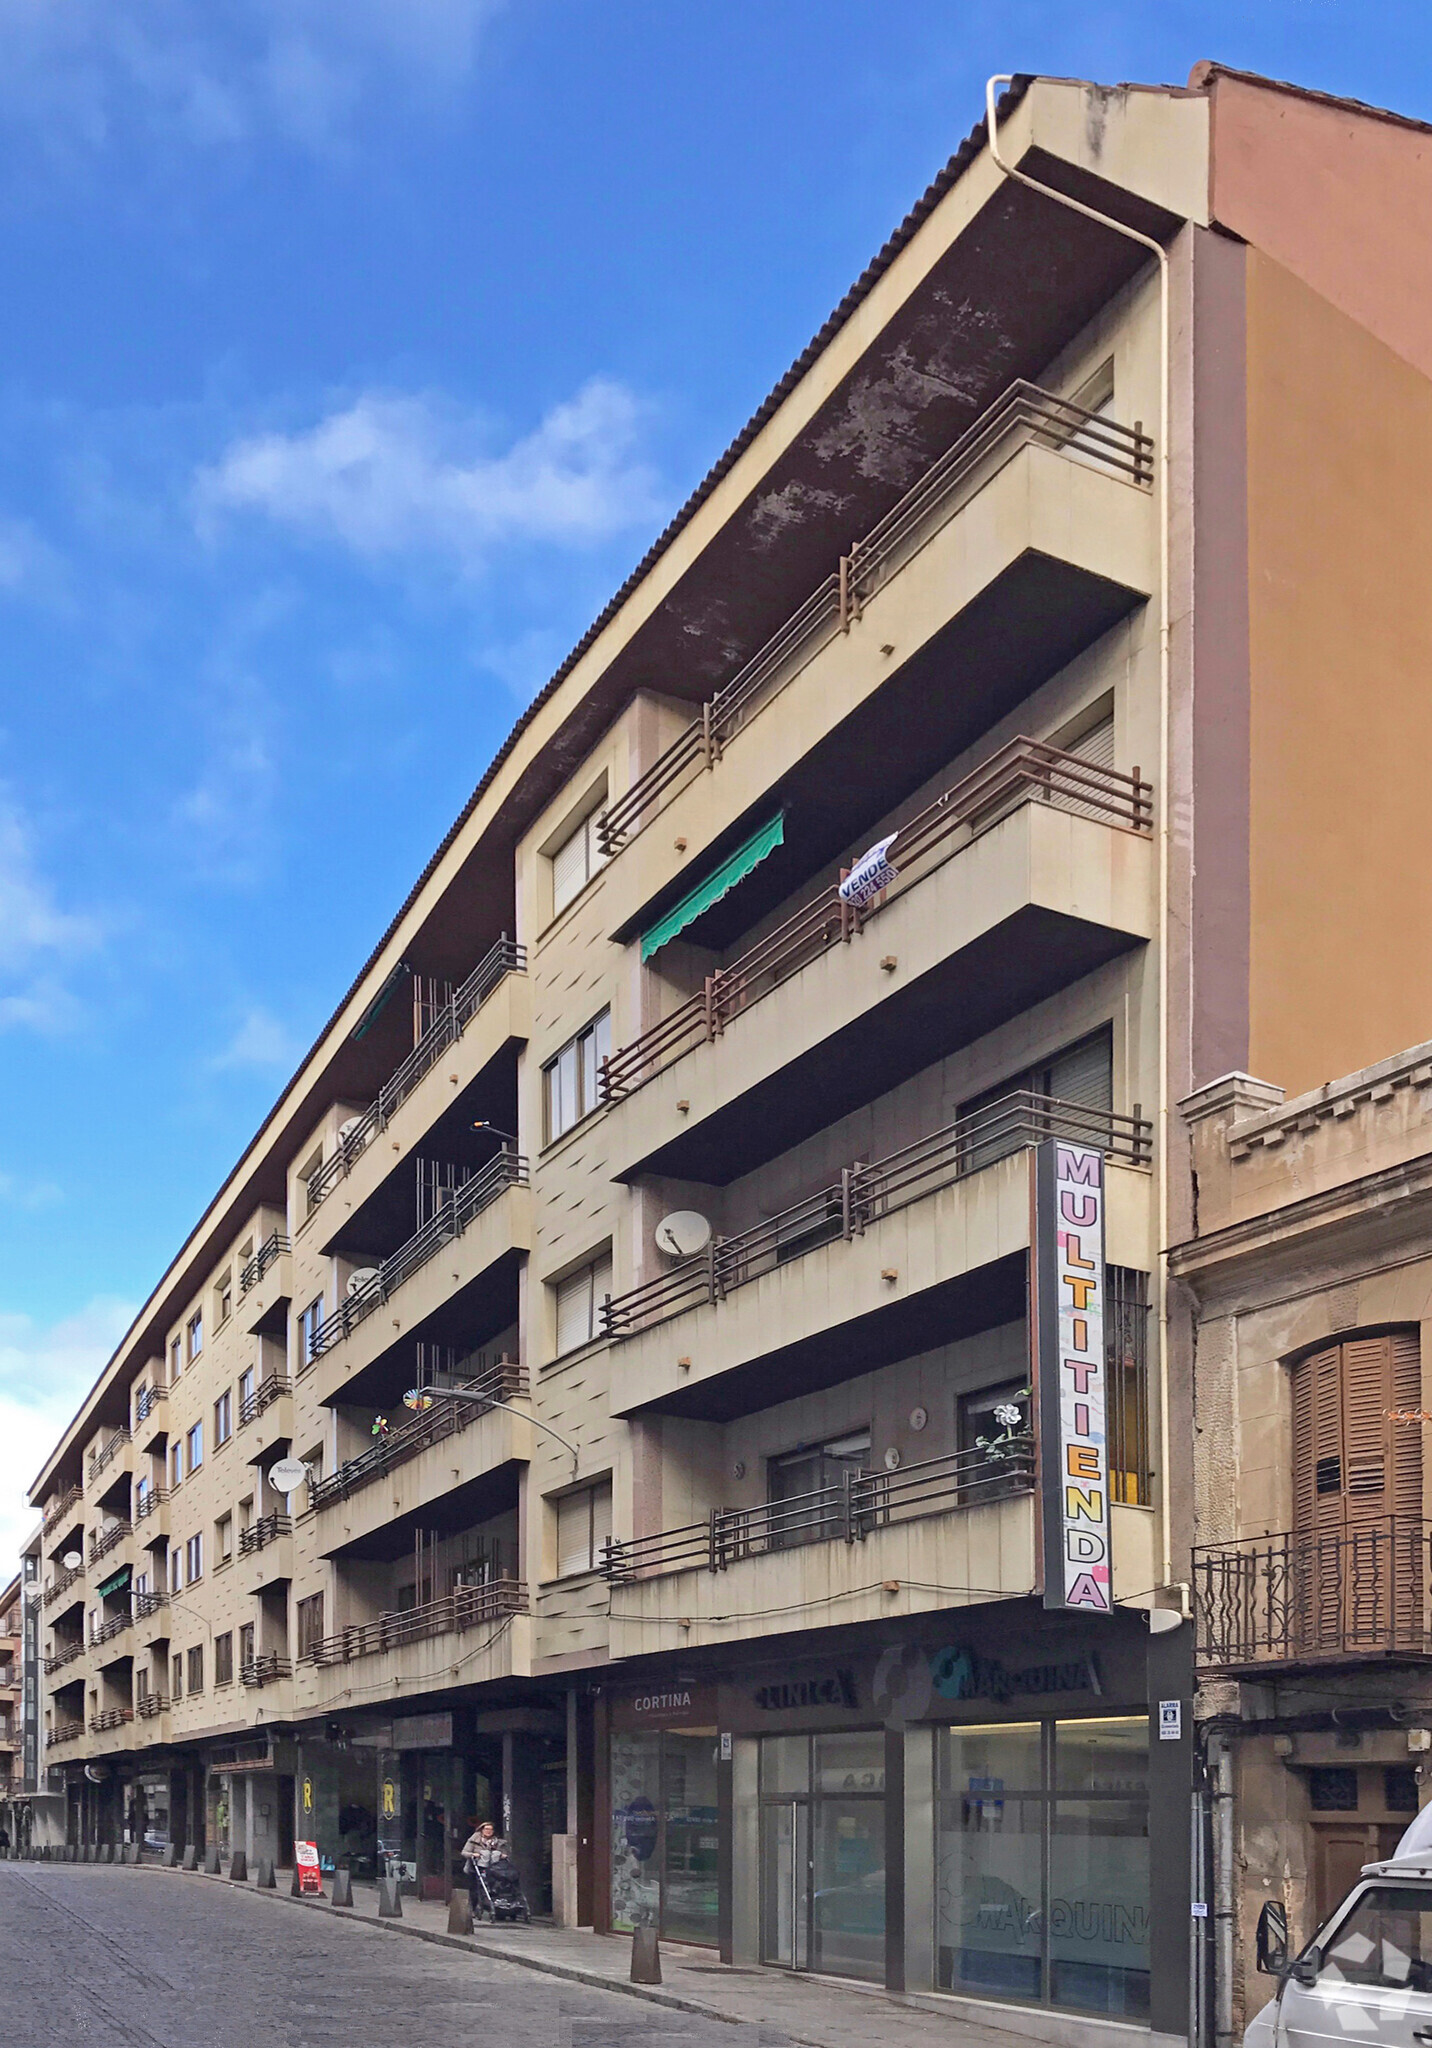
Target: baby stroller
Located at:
point(499, 1891)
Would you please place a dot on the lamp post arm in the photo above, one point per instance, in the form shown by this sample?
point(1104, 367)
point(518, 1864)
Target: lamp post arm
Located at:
point(484, 1400)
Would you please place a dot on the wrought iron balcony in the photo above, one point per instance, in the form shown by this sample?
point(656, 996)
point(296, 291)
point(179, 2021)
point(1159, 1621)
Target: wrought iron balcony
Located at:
point(866, 1193)
point(267, 1529)
point(265, 1670)
point(267, 1391)
point(849, 1513)
point(112, 1717)
point(101, 1546)
point(504, 1380)
point(462, 1206)
point(1316, 1596)
point(464, 1608)
point(502, 959)
point(107, 1452)
point(1023, 771)
point(268, 1254)
point(1023, 414)
point(67, 1500)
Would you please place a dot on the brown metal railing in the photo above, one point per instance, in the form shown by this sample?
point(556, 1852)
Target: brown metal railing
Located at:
point(58, 1659)
point(267, 1529)
point(265, 1670)
point(62, 1582)
point(101, 1546)
point(115, 1626)
point(148, 1503)
point(503, 1380)
point(1023, 414)
point(112, 1717)
point(1315, 1595)
point(863, 1194)
point(146, 1401)
point(107, 1451)
point(447, 1027)
point(148, 1603)
point(267, 1390)
point(70, 1498)
point(849, 1512)
point(151, 1703)
point(66, 1732)
point(268, 1254)
point(1024, 771)
point(464, 1608)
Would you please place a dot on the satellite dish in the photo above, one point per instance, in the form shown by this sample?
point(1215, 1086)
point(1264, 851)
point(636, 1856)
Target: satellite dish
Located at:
point(72, 1560)
point(1162, 1620)
point(346, 1129)
point(683, 1233)
point(359, 1280)
point(288, 1474)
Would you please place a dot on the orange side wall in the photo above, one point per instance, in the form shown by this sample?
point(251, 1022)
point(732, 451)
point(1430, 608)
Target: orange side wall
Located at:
point(1340, 644)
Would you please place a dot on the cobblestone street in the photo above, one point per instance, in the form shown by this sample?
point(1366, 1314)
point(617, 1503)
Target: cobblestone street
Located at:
point(140, 1960)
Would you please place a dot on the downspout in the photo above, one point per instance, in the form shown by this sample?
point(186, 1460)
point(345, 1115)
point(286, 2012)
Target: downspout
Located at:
point(1157, 251)
point(1220, 1757)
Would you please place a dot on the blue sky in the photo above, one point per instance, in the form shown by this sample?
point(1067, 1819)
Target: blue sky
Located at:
point(353, 351)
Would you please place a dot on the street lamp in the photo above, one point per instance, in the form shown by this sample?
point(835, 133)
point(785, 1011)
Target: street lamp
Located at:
point(507, 1137)
point(419, 1398)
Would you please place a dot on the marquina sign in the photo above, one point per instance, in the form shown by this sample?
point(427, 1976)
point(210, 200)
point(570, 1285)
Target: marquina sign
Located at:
point(1069, 1188)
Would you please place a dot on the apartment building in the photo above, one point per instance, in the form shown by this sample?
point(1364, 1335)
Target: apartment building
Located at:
point(11, 1689)
point(687, 1368)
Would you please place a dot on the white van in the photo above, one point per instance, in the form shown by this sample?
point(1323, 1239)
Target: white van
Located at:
point(1365, 1978)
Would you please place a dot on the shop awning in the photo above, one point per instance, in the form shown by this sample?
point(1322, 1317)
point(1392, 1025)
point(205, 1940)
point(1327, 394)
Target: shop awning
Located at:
point(114, 1584)
point(732, 870)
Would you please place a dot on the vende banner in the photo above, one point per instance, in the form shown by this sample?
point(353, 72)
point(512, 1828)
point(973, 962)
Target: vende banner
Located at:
point(1071, 1375)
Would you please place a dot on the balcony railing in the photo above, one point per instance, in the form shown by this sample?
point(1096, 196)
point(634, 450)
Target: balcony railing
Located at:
point(502, 959)
point(58, 1659)
point(1316, 1595)
point(61, 1583)
point(151, 1703)
point(464, 1608)
point(459, 1208)
point(101, 1546)
point(849, 1513)
point(865, 1193)
point(1023, 771)
point(267, 1391)
point(108, 1630)
point(108, 1451)
point(149, 1502)
point(267, 1529)
point(268, 1254)
point(147, 1603)
point(112, 1717)
point(265, 1670)
point(147, 1400)
point(504, 1380)
point(1022, 415)
point(67, 1731)
point(67, 1500)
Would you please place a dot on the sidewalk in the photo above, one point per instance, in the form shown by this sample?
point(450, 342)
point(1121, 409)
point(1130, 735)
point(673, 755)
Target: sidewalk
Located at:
point(814, 2012)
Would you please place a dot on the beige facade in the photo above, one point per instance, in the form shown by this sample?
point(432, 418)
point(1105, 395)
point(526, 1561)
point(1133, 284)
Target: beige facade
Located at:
point(693, 1199)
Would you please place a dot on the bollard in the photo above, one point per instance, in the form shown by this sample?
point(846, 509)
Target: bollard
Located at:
point(342, 1886)
point(106, 1852)
point(390, 1905)
point(645, 1956)
point(211, 1861)
point(460, 1913)
point(87, 1853)
point(191, 1857)
point(264, 1879)
point(172, 1855)
point(131, 1852)
point(239, 1867)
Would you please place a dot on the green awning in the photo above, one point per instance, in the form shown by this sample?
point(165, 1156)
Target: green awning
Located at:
point(115, 1584)
point(732, 870)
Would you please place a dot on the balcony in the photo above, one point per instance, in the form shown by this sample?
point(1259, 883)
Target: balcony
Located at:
point(1315, 1597)
point(147, 1607)
point(58, 1659)
point(269, 1390)
point(150, 1416)
point(151, 1521)
point(265, 1670)
point(274, 1247)
point(109, 1629)
point(61, 1583)
point(464, 1608)
point(447, 1029)
point(1018, 881)
point(151, 1704)
point(267, 1529)
point(266, 1288)
point(101, 1546)
point(491, 1210)
point(58, 1509)
point(68, 1731)
point(880, 1264)
point(110, 1719)
point(106, 1454)
point(1101, 551)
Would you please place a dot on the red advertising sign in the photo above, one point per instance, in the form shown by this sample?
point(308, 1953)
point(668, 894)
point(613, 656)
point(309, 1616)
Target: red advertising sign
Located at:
point(310, 1875)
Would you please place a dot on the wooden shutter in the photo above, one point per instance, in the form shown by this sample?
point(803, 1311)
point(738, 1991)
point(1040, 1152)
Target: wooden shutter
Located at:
point(1317, 1439)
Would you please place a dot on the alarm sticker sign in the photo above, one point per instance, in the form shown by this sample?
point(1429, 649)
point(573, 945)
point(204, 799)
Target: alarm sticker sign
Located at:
point(1072, 1375)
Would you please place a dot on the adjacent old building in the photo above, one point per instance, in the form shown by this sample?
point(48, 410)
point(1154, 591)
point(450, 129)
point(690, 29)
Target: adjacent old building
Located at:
point(688, 1367)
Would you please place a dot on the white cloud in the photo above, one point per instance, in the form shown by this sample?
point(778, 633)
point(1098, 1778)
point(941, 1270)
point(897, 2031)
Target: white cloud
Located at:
point(391, 475)
point(81, 72)
point(18, 1193)
point(259, 1041)
point(44, 1375)
point(37, 936)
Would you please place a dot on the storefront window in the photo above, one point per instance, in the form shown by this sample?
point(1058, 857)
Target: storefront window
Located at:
point(823, 1853)
point(664, 1834)
point(1042, 1863)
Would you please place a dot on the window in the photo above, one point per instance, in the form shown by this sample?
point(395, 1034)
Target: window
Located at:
point(224, 1658)
point(584, 1527)
point(142, 1490)
point(224, 1538)
point(1080, 1079)
point(571, 1080)
point(246, 1645)
point(195, 1335)
point(223, 1418)
point(194, 1559)
point(578, 1302)
point(176, 1690)
point(246, 1396)
point(176, 1359)
point(226, 1298)
point(807, 1488)
point(194, 1676)
point(309, 1616)
point(246, 1513)
point(176, 1464)
point(194, 1456)
point(176, 1570)
point(575, 861)
point(995, 1437)
point(308, 1322)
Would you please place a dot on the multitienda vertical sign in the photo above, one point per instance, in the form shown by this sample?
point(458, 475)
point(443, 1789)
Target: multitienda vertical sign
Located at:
point(1069, 1193)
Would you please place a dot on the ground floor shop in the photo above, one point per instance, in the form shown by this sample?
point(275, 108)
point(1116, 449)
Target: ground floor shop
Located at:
point(961, 1808)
